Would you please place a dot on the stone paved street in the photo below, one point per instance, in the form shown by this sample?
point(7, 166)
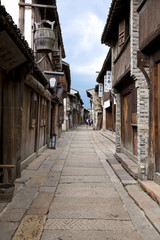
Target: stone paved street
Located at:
point(72, 193)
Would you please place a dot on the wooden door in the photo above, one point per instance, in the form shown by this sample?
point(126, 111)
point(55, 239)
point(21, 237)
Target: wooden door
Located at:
point(109, 124)
point(126, 131)
point(156, 114)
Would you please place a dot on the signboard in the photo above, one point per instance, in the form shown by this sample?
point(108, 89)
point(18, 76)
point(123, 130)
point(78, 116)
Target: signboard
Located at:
point(108, 81)
point(65, 117)
point(100, 90)
point(107, 104)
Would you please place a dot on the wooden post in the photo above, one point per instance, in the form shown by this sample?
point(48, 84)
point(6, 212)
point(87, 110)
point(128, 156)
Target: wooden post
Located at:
point(5, 172)
point(21, 16)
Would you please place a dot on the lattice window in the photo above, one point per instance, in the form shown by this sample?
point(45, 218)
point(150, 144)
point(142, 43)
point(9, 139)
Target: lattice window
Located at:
point(43, 112)
point(123, 31)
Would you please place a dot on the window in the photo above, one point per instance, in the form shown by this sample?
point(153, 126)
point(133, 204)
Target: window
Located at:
point(123, 31)
point(134, 100)
point(43, 112)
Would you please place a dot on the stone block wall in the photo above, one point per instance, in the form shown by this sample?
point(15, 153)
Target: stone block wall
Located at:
point(142, 93)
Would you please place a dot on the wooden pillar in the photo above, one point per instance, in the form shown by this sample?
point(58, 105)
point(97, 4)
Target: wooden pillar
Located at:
point(22, 17)
point(55, 119)
point(48, 122)
point(12, 123)
point(113, 116)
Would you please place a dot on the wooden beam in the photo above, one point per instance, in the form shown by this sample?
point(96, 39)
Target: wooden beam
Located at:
point(36, 5)
point(142, 62)
point(6, 166)
point(21, 18)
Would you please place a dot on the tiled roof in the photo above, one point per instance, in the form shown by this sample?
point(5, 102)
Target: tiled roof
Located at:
point(117, 10)
point(106, 66)
point(7, 24)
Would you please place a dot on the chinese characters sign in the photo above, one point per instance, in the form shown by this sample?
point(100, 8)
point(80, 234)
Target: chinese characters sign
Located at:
point(108, 81)
point(100, 92)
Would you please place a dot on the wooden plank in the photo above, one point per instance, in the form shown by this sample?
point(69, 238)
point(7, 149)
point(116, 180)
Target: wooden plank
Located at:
point(158, 110)
point(36, 5)
point(5, 175)
point(6, 166)
point(21, 17)
point(155, 113)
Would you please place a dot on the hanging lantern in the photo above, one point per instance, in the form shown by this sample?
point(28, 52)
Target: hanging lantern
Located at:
point(44, 37)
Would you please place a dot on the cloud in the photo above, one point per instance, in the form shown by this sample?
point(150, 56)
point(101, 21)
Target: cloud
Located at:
point(90, 28)
point(91, 67)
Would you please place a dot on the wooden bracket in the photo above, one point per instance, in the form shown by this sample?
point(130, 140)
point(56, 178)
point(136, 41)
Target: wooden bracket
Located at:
point(142, 63)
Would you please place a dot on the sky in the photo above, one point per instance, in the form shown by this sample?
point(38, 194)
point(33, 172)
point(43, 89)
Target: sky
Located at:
point(82, 23)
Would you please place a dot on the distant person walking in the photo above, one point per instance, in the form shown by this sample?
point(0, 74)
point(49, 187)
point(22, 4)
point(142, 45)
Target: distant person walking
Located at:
point(87, 122)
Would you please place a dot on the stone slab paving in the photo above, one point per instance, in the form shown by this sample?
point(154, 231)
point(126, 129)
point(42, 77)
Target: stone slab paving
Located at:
point(89, 235)
point(87, 208)
point(150, 207)
point(86, 204)
point(31, 227)
point(72, 193)
point(84, 179)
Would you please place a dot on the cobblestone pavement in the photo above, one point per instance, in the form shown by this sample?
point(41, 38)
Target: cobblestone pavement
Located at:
point(72, 193)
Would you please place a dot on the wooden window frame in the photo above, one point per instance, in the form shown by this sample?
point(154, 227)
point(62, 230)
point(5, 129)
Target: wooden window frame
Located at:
point(43, 112)
point(33, 109)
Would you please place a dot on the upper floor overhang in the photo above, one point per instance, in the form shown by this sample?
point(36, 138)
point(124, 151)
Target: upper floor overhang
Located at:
point(118, 9)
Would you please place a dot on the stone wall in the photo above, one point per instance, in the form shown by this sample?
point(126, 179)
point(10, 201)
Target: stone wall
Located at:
point(142, 93)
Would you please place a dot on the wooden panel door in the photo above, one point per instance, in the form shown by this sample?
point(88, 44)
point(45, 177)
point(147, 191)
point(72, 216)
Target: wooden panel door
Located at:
point(156, 115)
point(127, 135)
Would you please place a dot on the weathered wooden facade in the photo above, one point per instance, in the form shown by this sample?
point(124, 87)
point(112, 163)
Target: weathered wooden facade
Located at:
point(15, 58)
point(73, 110)
point(96, 107)
point(121, 33)
point(31, 108)
point(46, 41)
point(149, 64)
point(109, 106)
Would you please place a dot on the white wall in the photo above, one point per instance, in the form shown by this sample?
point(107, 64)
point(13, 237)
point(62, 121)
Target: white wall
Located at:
point(12, 8)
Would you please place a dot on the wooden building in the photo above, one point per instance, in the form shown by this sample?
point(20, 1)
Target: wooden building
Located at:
point(109, 106)
point(73, 110)
point(121, 33)
point(96, 104)
point(149, 64)
point(15, 60)
point(33, 85)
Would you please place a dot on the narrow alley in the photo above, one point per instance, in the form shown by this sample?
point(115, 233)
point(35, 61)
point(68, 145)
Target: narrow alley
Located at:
point(73, 193)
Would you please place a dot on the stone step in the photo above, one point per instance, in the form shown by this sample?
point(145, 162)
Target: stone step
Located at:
point(152, 188)
point(150, 208)
point(130, 166)
point(108, 134)
point(121, 173)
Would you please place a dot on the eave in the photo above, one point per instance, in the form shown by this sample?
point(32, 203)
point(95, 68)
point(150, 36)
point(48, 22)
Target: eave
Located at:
point(106, 66)
point(117, 10)
point(9, 29)
point(66, 68)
